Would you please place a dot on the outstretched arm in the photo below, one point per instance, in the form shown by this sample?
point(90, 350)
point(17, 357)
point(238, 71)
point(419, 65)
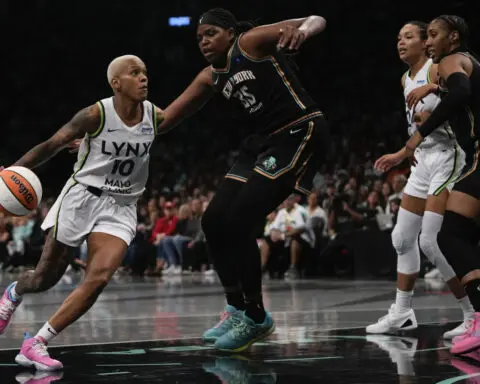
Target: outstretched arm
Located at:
point(189, 102)
point(86, 121)
point(289, 34)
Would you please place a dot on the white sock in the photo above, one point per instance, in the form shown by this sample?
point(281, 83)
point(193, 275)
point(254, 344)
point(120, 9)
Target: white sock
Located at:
point(13, 294)
point(403, 301)
point(47, 332)
point(467, 308)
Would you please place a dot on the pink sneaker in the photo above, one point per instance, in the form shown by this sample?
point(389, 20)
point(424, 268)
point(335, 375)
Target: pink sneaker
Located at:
point(34, 353)
point(469, 341)
point(7, 308)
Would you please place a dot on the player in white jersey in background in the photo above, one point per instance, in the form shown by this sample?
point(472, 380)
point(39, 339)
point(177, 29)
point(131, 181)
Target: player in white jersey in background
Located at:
point(98, 202)
point(438, 163)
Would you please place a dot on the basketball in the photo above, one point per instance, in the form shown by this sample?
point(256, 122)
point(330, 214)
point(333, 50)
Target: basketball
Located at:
point(20, 191)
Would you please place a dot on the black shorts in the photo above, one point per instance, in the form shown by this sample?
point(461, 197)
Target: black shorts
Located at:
point(297, 148)
point(469, 182)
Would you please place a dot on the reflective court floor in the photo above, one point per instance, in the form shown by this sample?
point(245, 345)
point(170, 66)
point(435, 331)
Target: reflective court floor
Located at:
point(146, 330)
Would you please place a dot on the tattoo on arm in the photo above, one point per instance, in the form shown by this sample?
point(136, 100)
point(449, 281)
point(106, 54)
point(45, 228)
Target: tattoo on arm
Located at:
point(86, 120)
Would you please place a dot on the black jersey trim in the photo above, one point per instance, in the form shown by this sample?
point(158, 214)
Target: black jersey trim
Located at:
point(229, 61)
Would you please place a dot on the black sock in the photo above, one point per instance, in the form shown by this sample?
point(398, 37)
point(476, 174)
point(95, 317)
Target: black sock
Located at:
point(235, 298)
point(254, 307)
point(473, 291)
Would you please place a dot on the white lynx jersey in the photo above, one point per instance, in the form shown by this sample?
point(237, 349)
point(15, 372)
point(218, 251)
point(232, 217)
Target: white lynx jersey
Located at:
point(443, 134)
point(115, 158)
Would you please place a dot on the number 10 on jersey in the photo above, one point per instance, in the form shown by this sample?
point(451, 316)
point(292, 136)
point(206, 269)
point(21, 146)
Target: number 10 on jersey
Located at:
point(123, 167)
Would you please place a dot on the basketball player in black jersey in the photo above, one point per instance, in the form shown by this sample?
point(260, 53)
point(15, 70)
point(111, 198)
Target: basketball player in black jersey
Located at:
point(459, 75)
point(289, 135)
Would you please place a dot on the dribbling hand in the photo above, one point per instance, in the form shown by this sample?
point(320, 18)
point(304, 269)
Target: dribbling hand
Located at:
point(291, 38)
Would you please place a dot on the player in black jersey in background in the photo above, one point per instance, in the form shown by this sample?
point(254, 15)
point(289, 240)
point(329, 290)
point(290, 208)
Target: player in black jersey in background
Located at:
point(288, 138)
point(459, 75)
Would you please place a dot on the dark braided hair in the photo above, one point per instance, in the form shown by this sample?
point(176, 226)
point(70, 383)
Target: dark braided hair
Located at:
point(422, 26)
point(225, 19)
point(456, 23)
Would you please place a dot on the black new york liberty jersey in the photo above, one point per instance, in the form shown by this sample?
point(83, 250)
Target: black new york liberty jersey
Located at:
point(266, 90)
point(466, 123)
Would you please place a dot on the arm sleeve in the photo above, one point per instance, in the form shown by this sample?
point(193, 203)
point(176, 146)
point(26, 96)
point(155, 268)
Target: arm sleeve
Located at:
point(459, 91)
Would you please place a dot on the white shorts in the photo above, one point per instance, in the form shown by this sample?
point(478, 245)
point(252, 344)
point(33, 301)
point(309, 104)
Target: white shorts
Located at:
point(77, 213)
point(437, 169)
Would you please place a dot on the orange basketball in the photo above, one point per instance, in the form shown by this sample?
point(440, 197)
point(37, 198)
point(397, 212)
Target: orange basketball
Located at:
point(20, 191)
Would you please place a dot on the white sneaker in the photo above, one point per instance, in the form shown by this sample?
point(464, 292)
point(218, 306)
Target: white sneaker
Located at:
point(433, 274)
point(458, 331)
point(169, 270)
point(393, 322)
point(177, 271)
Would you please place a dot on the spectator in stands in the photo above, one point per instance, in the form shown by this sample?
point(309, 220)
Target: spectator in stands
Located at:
point(188, 226)
point(386, 193)
point(164, 226)
point(317, 215)
point(399, 182)
point(265, 243)
point(291, 227)
point(5, 236)
point(369, 211)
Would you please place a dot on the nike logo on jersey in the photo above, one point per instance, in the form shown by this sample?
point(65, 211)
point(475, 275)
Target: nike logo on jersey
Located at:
point(292, 132)
point(113, 130)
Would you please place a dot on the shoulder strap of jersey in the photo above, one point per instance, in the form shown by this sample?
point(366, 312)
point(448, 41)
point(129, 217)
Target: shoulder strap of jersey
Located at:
point(99, 130)
point(429, 79)
point(154, 118)
point(404, 78)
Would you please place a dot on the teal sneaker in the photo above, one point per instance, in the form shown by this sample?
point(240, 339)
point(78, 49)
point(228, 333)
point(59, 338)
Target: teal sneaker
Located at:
point(229, 318)
point(244, 334)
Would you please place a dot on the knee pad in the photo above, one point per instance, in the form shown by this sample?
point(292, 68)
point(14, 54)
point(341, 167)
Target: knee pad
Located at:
point(457, 240)
point(431, 225)
point(405, 234)
point(405, 242)
point(431, 249)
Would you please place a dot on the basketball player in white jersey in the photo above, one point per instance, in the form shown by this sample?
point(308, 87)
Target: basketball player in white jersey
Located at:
point(98, 202)
point(439, 161)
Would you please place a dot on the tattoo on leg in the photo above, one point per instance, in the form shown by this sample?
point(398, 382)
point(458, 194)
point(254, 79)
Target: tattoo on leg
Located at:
point(49, 270)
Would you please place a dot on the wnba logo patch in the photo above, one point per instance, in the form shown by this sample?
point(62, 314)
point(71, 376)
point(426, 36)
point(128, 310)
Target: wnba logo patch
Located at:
point(270, 164)
point(147, 130)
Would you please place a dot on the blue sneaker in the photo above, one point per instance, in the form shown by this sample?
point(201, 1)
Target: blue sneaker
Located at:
point(229, 318)
point(244, 334)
